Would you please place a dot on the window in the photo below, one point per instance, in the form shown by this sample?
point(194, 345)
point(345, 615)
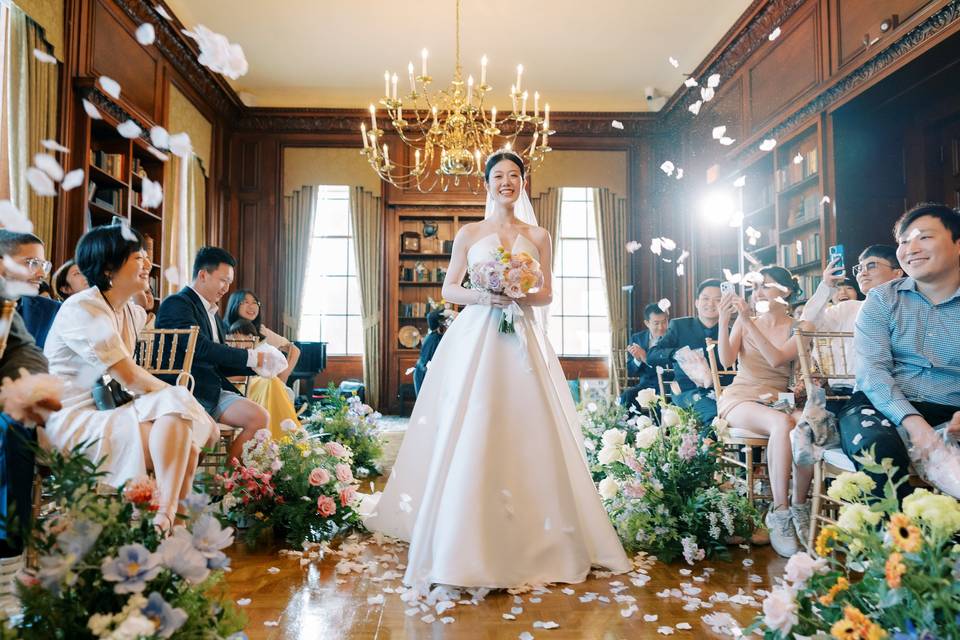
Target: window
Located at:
point(579, 324)
point(330, 309)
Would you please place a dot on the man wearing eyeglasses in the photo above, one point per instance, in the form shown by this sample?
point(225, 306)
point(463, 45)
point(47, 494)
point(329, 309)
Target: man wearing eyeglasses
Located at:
point(26, 268)
point(877, 264)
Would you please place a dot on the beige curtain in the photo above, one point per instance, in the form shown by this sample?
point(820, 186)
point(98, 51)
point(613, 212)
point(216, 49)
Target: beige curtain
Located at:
point(299, 211)
point(31, 97)
point(547, 208)
point(368, 243)
point(612, 231)
point(185, 213)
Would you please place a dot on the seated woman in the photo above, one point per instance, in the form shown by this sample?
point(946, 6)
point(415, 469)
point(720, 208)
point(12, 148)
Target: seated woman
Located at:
point(760, 379)
point(245, 305)
point(68, 280)
point(269, 393)
point(145, 303)
point(163, 428)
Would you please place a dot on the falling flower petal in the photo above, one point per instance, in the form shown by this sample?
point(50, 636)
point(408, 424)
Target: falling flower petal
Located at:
point(53, 145)
point(129, 129)
point(667, 167)
point(12, 220)
point(655, 246)
point(774, 34)
point(673, 62)
point(713, 81)
point(668, 244)
point(695, 107)
point(727, 141)
point(152, 194)
point(650, 617)
point(72, 180)
point(157, 153)
point(825, 200)
point(732, 277)
point(684, 625)
point(690, 82)
point(768, 144)
point(44, 57)
point(679, 173)
point(632, 246)
point(627, 287)
point(110, 86)
point(680, 270)
point(40, 182)
point(665, 630)
point(146, 34)
point(49, 165)
point(664, 305)
point(271, 623)
point(172, 275)
point(180, 145)
point(526, 635)
point(739, 182)
point(159, 137)
point(91, 110)
point(797, 159)
point(719, 131)
point(162, 12)
point(273, 570)
point(706, 94)
point(242, 602)
point(219, 54)
point(550, 624)
point(616, 124)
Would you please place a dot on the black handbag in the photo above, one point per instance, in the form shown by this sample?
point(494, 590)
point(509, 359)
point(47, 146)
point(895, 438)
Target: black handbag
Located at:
point(109, 394)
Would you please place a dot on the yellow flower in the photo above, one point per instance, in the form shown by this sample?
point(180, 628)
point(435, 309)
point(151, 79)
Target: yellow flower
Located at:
point(842, 585)
point(824, 544)
point(875, 632)
point(905, 535)
point(894, 570)
point(861, 625)
point(843, 629)
point(854, 517)
point(286, 440)
point(850, 486)
point(940, 512)
point(258, 515)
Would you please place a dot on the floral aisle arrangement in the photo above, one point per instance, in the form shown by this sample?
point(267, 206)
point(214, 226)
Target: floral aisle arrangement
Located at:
point(298, 487)
point(882, 571)
point(106, 572)
point(660, 484)
point(511, 274)
point(353, 424)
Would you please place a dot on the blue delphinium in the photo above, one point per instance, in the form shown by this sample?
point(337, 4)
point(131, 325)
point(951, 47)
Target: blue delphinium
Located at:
point(167, 618)
point(133, 567)
point(196, 504)
point(179, 555)
point(79, 538)
point(209, 538)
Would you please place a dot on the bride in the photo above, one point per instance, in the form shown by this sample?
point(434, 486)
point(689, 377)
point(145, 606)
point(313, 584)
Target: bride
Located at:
point(491, 486)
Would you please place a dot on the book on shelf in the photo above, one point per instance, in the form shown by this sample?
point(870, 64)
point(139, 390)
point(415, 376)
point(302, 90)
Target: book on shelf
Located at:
point(809, 284)
point(803, 250)
point(109, 163)
point(413, 309)
point(795, 172)
point(108, 198)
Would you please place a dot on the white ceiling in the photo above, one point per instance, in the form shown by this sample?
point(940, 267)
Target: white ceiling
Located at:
point(581, 56)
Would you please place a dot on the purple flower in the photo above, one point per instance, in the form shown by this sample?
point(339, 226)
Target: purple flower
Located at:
point(133, 567)
point(209, 538)
point(167, 619)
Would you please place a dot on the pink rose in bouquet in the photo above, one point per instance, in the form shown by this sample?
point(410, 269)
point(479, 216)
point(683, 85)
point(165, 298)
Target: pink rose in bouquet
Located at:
point(318, 477)
point(511, 274)
point(326, 506)
point(344, 474)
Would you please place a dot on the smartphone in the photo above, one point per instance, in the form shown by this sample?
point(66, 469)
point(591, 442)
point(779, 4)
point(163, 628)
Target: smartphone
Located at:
point(728, 287)
point(836, 251)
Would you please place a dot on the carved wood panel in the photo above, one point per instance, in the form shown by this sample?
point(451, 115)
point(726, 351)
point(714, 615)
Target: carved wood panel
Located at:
point(117, 54)
point(250, 165)
point(865, 24)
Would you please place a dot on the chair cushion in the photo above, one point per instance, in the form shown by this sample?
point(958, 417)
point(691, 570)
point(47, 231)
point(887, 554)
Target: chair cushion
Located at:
point(736, 432)
point(837, 458)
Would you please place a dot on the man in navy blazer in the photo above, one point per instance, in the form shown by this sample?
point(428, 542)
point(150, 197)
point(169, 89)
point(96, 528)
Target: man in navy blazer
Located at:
point(37, 311)
point(692, 332)
point(214, 361)
point(640, 343)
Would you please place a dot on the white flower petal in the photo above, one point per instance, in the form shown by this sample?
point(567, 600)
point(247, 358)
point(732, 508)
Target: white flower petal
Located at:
point(632, 246)
point(680, 270)
point(110, 86)
point(650, 617)
point(768, 144)
point(690, 82)
point(162, 12)
point(718, 132)
point(180, 145)
point(72, 180)
point(159, 137)
point(667, 167)
point(49, 165)
point(727, 141)
point(91, 110)
point(40, 182)
point(157, 153)
point(44, 57)
point(713, 81)
point(146, 34)
point(129, 129)
point(739, 182)
point(12, 220)
point(616, 124)
point(774, 34)
point(707, 94)
point(695, 107)
point(53, 145)
point(242, 602)
point(664, 305)
point(673, 62)
point(151, 194)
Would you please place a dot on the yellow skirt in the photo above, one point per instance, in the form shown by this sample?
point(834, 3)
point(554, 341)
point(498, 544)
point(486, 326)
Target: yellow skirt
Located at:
point(270, 393)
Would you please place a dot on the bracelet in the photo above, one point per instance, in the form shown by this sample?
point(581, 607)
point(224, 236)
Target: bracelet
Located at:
point(483, 297)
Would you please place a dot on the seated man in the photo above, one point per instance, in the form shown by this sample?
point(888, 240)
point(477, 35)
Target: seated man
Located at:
point(37, 311)
point(214, 361)
point(877, 264)
point(906, 342)
point(436, 323)
point(693, 333)
point(640, 343)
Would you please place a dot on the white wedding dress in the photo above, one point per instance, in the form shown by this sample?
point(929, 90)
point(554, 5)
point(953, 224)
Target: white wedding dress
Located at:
point(491, 486)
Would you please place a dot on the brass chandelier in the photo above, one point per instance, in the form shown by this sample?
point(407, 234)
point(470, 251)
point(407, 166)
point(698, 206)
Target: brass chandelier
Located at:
point(450, 131)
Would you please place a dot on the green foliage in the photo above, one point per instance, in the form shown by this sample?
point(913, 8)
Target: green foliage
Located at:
point(352, 424)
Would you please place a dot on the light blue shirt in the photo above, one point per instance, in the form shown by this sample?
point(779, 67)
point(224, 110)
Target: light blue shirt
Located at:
point(908, 349)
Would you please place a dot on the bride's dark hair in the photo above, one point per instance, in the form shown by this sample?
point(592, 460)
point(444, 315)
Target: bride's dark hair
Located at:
point(503, 155)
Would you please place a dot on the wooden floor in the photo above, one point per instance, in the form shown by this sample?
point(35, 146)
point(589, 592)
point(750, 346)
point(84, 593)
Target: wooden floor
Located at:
point(292, 597)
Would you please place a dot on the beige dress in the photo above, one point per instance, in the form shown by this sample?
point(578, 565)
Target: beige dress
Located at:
point(756, 380)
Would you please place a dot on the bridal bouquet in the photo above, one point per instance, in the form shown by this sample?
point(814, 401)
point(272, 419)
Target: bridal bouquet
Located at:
point(660, 486)
point(299, 486)
point(105, 571)
point(884, 570)
point(511, 274)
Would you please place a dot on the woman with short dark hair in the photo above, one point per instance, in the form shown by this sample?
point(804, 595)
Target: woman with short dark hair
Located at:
point(68, 280)
point(160, 428)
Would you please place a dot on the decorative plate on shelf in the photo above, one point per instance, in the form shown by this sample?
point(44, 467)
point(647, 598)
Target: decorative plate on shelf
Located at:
point(409, 336)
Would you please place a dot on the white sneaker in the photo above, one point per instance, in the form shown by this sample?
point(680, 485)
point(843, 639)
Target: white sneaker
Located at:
point(801, 522)
point(782, 535)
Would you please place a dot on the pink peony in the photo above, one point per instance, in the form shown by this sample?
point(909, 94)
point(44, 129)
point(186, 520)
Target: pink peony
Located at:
point(32, 397)
point(326, 506)
point(780, 610)
point(335, 449)
point(801, 566)
point(347, 496)
point(343, 473)
point(318, 477)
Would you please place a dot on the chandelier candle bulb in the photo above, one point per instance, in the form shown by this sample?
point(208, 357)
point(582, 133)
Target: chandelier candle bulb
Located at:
point(423, 63)
point(546, 117)
point(523, 110)
point(513, 97)
point(386, 156)
point(483, 71)
point(434, 116)
point(413, 83)
point(493, 117)
point(536, 103)
point(373, 118)
point(399, 112)
point(416, 161)
point(519, 73)
point(469, 90)
point(363, 134)
point(533, 145)
point(477, 166)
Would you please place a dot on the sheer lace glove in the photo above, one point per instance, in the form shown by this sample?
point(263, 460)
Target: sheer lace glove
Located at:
point(272, 363)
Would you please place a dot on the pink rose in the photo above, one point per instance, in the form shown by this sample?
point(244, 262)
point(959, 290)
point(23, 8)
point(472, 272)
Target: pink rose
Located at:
point(347, 496)
point(318, 477)
point(335, 449)
point(343, 473)
point(326, 506)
